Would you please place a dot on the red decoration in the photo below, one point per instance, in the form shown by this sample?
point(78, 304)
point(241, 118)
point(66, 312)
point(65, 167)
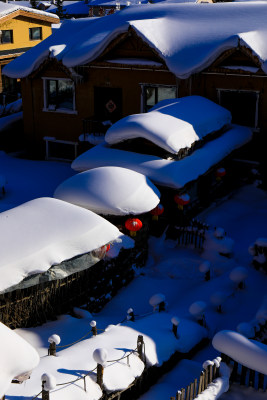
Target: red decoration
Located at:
point(182, 200)
point(133, 225)
point(220, 173)
point(157, 211)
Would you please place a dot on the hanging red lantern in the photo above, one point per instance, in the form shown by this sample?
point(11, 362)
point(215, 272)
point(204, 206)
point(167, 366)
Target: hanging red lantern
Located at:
point(157, 211)
point(220, 173)
point(182, 200)
point(133, 225)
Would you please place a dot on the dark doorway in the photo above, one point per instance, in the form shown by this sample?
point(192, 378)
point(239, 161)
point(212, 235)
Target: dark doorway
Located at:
point(108, 103)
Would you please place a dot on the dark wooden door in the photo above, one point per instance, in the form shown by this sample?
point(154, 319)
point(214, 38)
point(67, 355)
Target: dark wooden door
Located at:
point(108, 103)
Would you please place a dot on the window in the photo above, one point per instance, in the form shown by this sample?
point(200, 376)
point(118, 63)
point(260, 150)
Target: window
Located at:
point(242, 104)
point(152, 94)
point(60, 149)
point(59, 95)
point(6, 36)
point(35, 33)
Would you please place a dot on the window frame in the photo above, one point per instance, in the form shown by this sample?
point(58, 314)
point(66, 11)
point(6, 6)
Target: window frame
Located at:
point(256, 92)
point(11, 36)
point(47, 108)
point(153, 85)
point(31, 33)
point(48, 140)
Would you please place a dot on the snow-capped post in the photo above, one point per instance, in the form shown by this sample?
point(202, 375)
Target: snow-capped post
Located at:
point(48, 383)
point(204, 268)
point(217, 299)
point(94, 328)
point(140, 346)
point(100, 356)
point(216, 366)
point(175, 322)
point(157, 301)
point(197, 309)
point(208, 367)
point(53, 340)
point(130, 315)
point(239, 275)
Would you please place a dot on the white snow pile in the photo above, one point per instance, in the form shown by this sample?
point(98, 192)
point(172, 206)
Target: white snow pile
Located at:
point(18, 358)
point(11, 108)
point(44, 232)
point(250, 328)
point(110, 191)
point(197, 309)
point(217, 250)
point(238, 274)
point(172, 124)
point(175, 174)
point(258, 250)
point(250, 353)
point(219, 386)
point(188, 37)
point(8, 121)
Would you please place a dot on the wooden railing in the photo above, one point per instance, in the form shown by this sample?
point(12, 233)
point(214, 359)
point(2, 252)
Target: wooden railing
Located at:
point(200, 384)
point(94, 126)
point(244, 375)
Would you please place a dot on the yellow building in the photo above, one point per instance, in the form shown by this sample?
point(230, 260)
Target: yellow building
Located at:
point(20, 29)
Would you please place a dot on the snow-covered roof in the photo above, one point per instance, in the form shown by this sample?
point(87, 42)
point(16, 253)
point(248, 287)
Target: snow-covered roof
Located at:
point(175, 174)
point(110, 191)
point(188, 37)
point(18, 357)
point(44, 232)
point(8, 8)
point(250, 353)
point(189, 119)
point(71, 7)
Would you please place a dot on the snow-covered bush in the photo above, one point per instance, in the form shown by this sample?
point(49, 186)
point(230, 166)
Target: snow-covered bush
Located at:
point(258, 250)
point(49, 382)
point(219, 233)
point(100, 356)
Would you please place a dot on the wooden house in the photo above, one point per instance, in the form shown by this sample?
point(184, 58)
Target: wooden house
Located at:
point(125, 63)
point(21, 28)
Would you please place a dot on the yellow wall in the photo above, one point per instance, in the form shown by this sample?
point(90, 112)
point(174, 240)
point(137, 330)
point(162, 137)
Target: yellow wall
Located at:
point(20, 26)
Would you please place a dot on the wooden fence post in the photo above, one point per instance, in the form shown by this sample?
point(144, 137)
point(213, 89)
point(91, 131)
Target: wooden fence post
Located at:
point(243, 375)
point(210, 369)
point(183, 394)
point(99, 375)
point(261, 381)
point(178, 395)
point(187, 392)
point(45, 393)
point(191, 391)
point(140, 344)
point(251, 379)
point(234, 372)
point(200, 386)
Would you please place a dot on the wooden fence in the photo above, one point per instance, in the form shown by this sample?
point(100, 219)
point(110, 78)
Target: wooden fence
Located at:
point(190, 235)
point(200, 384)
point(244, 375)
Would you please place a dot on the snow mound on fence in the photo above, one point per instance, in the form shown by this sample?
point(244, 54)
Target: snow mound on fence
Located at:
point(44, 232)
point(110, 191)
point(18, 357)
point(189, 119)
point(247, 352)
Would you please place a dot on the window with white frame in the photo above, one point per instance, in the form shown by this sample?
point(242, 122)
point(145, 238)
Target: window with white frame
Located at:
point(59, 95)
point(243, 105)
point(152, 94)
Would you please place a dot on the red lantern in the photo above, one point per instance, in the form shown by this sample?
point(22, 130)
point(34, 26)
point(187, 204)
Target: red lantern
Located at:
point(157, 211)
point(220, 173)
point(182, 200)
point(133, 225)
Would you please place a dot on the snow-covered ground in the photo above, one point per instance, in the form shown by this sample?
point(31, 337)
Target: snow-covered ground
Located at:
point(170, 270)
